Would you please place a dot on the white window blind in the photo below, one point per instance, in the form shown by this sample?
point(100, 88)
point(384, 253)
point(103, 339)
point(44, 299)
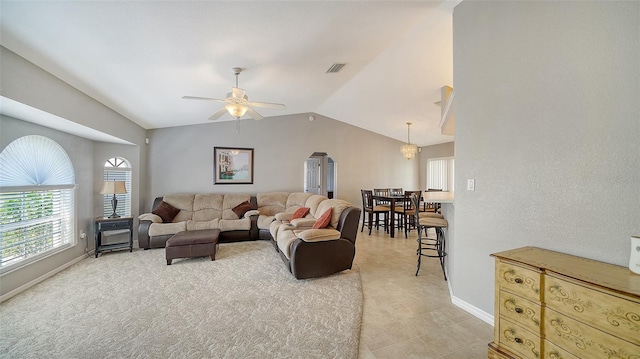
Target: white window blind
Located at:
point(440, 174)
point(118, 169)
point(37, 204)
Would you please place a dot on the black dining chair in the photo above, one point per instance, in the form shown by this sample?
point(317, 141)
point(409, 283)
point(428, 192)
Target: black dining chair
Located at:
point(370, 210)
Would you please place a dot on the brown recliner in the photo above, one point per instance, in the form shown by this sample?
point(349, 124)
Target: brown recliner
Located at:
point(318, 258)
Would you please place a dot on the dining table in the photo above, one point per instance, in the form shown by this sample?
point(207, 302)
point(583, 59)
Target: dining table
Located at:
point(392, 200)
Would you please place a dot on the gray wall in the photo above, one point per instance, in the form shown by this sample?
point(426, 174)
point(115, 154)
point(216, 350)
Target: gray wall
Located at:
point(429, 152)
point(80, 152)
point(25, 82)
point(548, 124)
point(181, 158)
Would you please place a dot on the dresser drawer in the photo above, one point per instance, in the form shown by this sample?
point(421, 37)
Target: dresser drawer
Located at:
point(522, 281)
point(609, 313)
point(584, 341)
point(521, 311)
point(108, 226)
point(552, 351)
point(518, 340)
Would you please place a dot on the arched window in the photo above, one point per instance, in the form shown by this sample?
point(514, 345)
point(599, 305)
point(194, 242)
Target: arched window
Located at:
point(37, 208)
point(118, 169)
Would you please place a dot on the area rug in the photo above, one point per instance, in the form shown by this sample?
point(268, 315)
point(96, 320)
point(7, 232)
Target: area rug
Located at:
point(245, 304)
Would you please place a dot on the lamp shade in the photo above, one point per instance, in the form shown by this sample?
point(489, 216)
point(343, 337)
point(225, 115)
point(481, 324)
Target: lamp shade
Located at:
point(113, 187)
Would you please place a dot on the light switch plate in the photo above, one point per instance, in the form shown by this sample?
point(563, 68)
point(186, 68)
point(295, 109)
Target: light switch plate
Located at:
point(471, 185)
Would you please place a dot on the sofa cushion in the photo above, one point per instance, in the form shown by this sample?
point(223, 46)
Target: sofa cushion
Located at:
point(264, 222)
point(166, 212)
point(159, 229)
point(300, 213)
point(338, 206)
point(313, 202)
point(241, 209)
point(324, 219)
point(207, 206)
point(183, 202)
point(297, 199)
point(270, 203)
point(230, 201)
point(195, 225)
point(284, 242)
point(235, 224)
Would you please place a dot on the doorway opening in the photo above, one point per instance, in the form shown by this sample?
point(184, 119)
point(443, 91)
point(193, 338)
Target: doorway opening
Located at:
point(320, 175)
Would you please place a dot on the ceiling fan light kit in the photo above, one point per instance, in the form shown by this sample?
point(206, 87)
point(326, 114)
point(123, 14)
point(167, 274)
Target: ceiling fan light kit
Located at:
point(237, 102)
point(409, 150)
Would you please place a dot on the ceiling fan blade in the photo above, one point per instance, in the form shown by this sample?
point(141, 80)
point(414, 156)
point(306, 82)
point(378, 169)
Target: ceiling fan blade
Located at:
point(253, 114)
point(267, 105)
point(218, 114)
point(203, 98)
point(238, 93)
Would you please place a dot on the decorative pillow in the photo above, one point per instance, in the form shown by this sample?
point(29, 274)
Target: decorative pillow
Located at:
point(300, 212)
point(324, 219)
point(166, 211)
point(241, 209)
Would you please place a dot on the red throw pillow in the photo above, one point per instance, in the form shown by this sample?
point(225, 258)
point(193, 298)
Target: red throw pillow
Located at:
point(324, 220)
point(241, 209)
point(300, 212)
point(166, 211)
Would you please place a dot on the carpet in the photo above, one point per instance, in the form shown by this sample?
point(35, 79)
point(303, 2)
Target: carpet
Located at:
point(245, 304)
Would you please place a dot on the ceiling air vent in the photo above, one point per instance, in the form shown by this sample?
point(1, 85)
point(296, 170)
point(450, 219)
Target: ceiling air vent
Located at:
point(335, 68)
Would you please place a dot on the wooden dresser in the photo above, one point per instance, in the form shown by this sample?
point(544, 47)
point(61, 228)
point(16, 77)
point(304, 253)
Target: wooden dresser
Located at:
point(554, 305)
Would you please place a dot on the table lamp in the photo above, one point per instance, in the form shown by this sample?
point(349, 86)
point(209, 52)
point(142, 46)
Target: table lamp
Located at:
point(113, 187)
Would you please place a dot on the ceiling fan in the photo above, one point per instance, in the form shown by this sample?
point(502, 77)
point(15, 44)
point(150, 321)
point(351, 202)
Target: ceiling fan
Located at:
point(237, 102)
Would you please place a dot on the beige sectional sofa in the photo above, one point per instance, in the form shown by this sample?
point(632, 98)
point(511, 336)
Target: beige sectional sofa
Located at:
point(306, 251)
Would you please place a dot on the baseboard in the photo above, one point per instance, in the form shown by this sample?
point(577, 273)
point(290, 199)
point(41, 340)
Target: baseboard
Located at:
point(50, 274)
point(473, 310)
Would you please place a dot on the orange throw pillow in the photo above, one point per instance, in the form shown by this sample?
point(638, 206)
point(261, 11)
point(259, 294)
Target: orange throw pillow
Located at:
point(324, 220)
point(300, 212)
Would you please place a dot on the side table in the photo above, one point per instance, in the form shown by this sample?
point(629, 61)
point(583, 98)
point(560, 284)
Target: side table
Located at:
point(104, 224)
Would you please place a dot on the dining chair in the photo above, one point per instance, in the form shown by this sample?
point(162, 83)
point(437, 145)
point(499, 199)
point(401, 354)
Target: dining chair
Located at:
point(370, 210)
point(408, 211)
point(430, 247)
point(381, 192)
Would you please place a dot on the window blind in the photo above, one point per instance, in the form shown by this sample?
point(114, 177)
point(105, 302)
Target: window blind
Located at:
point(34, 220)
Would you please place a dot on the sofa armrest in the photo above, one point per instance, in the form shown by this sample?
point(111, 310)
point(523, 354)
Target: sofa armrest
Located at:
point(153, 218)
point(303, 223)
point(318, 235)
point(143, 234)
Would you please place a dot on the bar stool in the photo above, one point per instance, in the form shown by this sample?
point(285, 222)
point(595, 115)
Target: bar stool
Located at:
point(430, 247)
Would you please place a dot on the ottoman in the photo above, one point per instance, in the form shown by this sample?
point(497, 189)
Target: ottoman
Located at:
point(189, 244)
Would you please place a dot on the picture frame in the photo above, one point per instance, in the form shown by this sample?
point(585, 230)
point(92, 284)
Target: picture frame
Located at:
point(232, 165)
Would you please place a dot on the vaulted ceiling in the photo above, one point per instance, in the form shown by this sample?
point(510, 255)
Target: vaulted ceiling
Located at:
point(140, 57)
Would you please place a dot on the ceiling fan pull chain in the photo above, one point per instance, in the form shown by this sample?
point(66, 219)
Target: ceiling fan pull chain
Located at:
point(237, 126)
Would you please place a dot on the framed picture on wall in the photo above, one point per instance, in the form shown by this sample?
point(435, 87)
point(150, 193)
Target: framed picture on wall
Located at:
point(232, 165)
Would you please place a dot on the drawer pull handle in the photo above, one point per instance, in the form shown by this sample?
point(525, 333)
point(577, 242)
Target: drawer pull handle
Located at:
point(518, 280)
point(518, 340)
point(518, 310)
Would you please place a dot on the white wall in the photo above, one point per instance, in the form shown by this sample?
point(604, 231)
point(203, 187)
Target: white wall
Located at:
point(181, 158)
point(548, 124)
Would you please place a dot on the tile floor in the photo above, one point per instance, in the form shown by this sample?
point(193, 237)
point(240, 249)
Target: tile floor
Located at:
point(407, 316)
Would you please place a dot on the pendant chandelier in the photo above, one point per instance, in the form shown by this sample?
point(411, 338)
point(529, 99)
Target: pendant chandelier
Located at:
point(409, 150)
